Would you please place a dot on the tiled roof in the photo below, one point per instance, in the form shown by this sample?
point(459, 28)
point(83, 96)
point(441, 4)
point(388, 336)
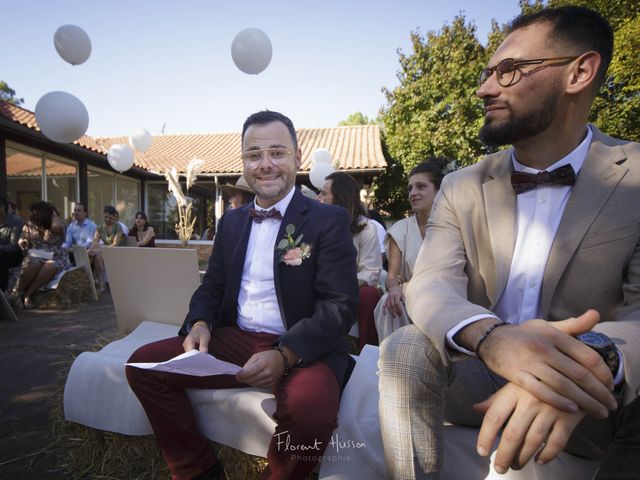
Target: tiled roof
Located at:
point(28, 119)
point(355, 147)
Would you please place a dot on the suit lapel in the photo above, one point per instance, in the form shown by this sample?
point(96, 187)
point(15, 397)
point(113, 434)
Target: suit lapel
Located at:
point(500, 207)
point(296, 216)
point(240, 251)
point(597, 179)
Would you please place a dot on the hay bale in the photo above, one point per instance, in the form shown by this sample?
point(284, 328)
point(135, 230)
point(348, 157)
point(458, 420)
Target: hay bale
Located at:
point(86, 453)
point(74, 288)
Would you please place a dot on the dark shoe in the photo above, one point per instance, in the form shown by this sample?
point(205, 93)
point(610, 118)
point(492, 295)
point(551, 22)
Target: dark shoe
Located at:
point(213, 473)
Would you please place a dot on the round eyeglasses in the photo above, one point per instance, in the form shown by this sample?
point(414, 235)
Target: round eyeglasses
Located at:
point(507, 69)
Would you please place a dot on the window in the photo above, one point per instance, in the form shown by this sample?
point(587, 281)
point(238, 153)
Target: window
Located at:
point(105, 188)
point(62, 185)
point(33, 175)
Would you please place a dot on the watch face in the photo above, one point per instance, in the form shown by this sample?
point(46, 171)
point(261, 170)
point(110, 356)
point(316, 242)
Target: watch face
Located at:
point(595, 340)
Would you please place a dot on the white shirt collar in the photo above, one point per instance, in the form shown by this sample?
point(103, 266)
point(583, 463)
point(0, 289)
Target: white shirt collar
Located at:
point(576, 157)
point(280, 205)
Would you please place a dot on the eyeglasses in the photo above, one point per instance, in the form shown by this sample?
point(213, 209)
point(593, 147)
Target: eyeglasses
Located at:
point(276, 155)
point(507, 68)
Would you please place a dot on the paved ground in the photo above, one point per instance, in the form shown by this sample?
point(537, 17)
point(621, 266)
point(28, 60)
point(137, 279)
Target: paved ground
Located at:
point(34, 354)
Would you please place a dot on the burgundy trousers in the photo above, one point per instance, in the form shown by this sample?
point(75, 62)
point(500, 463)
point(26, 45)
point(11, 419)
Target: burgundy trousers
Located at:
point(367, 333)
point(307, 402)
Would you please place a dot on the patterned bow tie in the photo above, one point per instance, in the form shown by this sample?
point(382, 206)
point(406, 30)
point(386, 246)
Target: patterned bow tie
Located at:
point(259, 215)
point(523, 182)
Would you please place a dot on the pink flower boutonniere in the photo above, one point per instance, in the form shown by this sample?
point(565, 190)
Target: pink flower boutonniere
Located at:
point(292, 252)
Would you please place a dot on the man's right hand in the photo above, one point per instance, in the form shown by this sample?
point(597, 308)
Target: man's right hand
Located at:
point(545, 359)
point(199, 337)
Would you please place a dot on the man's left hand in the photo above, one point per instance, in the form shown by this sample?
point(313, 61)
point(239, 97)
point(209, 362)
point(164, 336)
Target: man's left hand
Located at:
point(530, 427)
point(263, 369)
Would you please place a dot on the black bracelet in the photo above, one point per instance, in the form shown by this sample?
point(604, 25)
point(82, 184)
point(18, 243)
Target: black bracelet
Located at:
point(485, 335)
point(284, 359)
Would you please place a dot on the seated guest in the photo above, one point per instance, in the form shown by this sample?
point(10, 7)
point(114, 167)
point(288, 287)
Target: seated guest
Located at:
point(125, 229)
point(143, 232)
point(279, 297)
point(81, 230)
point(42, 243)
point(108, 234)
point(10, 253)
point(342, 190)
point(238, 194)
point(525, 296)
point(403, 242)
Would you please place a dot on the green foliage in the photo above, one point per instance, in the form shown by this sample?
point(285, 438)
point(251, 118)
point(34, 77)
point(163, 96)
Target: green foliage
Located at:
point(434, 110)
point(616, 110)
point(390, 188)
point(356, 119)
point(8, 94)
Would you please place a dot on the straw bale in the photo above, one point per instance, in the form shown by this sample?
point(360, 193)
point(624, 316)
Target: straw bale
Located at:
point(74, 288)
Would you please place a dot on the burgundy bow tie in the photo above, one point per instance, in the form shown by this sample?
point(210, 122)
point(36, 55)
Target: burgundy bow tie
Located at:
point(259, 215)
point(523, 182)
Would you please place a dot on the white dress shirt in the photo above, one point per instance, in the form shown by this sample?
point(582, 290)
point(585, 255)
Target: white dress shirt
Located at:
point(539, 212)
point(258, 309)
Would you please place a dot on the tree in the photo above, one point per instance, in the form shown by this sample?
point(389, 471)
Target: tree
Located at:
point(356, 119)
point(434, 110)
point(8, 94)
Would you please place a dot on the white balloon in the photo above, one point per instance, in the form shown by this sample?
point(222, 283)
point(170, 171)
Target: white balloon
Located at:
point(120, 157)
point(61, 117)
point(251, 51)
point(322, 155)
point(319, 172)
point(140, 139)
point(72, 44)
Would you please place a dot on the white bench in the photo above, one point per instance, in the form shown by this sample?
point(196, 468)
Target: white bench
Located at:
point(97, 394)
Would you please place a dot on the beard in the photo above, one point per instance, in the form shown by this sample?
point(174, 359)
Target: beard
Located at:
point(521, 127)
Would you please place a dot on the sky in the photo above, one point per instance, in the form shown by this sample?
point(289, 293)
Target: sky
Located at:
point(159, 64)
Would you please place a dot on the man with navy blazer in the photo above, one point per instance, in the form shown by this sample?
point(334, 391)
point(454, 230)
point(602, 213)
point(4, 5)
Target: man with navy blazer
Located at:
point(279, 297)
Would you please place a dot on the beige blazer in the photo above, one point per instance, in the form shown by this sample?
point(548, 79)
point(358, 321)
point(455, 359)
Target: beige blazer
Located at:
point(594, 262)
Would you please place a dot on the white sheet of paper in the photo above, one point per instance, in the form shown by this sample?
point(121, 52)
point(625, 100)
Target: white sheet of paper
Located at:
point(194, 363)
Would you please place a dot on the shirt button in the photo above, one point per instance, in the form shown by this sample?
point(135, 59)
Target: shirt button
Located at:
point(542, 200)
point(532, 284)
point(539, 243)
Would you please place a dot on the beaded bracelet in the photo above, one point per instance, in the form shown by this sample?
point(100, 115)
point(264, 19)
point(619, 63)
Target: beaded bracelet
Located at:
point(287, 367)
point(485, 335)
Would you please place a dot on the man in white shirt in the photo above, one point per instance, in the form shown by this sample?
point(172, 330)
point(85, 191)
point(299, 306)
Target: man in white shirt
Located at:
point(524, 251)
point(81, 230)
point(279, 297)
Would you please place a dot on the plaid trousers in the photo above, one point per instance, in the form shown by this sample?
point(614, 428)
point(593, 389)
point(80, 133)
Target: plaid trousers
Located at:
point(418, 393)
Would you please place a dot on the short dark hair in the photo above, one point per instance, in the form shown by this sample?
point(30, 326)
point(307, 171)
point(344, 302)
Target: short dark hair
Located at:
point(434, 167)
point(346, 193)
point(84, 207)
point(110, 209)
point(268, 116)
point(579, 28)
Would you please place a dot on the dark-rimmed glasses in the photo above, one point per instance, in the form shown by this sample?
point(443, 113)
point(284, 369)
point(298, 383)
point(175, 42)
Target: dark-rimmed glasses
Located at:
point(507, 68)
point(276, 155)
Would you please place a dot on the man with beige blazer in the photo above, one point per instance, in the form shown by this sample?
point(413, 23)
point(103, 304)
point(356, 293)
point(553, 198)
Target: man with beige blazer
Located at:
point(525, 252)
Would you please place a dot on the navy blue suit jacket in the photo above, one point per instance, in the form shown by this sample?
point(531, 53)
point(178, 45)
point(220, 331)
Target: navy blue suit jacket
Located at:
point(317, 299)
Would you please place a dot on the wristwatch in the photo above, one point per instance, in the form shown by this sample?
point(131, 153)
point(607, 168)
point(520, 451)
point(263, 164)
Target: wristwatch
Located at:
point(605, 348)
